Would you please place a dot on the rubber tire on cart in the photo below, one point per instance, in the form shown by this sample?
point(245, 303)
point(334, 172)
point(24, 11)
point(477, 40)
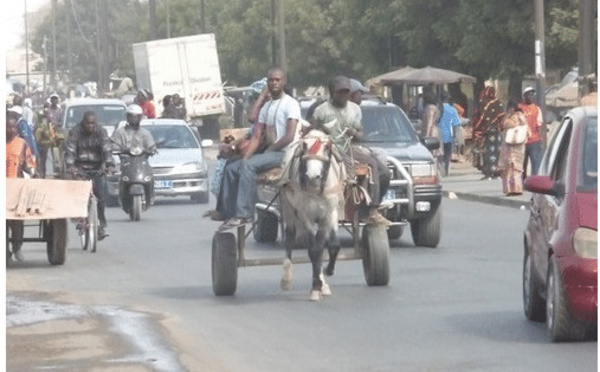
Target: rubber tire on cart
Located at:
point(201, 198)
point(56, 240)
point(395, 232)
point(533, 304)
point(266, 227)
point(376, 255)
point(560, 323)
point(426, 232)
point(136, 208)
point(224, 264)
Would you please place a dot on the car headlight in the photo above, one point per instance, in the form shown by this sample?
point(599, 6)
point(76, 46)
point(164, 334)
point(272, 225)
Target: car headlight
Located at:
point(424, 174)
point(422, 170)
point(191, 167)
point(585, 242)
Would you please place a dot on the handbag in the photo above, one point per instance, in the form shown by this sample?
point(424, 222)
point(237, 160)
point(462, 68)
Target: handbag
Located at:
point(517, 135)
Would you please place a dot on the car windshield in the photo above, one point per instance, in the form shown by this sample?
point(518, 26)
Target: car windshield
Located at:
point(172, 136)
point(107, 115)
point(387, 124)
point(588, 175)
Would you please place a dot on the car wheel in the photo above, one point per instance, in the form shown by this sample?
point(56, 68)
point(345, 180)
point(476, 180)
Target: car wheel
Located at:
point(533, 304)
point(201, 198)
point(427, 231)
point(395, 232)
point(560, 323)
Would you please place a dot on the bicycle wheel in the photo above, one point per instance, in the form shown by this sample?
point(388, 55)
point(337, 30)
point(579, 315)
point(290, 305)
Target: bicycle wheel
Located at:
point(92, 226)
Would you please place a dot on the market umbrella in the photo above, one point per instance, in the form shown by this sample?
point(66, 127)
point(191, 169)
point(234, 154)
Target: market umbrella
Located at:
point(433, 75)
point(390, 78)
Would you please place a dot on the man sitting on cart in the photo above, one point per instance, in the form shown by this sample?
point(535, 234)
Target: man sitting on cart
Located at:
point(87, 153)
point(19, 160)
point(277, 128)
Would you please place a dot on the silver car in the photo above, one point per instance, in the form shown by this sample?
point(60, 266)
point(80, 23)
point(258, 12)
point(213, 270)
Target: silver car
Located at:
point(179, 166)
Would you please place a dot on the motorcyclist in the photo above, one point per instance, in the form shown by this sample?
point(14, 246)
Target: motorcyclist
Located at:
point(87, 151)
point(132, 135)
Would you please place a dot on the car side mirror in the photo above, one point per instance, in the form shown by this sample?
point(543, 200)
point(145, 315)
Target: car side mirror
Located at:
point(206, 143)
point(544, 185)
point(432, 143)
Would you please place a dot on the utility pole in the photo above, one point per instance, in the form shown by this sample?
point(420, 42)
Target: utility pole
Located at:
point(26, 52)
point(168, 20)
point(282, 56)
point(69, 50)
point(540, 63)
point(53, 77)
point(273, 38)
point(44, 44)
point(202, 17)
point(586, 17)
point(152, 11)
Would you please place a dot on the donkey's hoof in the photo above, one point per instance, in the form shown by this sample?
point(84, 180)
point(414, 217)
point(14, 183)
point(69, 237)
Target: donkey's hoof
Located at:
point(326, 290)
point(315, 295)
point(287, 277)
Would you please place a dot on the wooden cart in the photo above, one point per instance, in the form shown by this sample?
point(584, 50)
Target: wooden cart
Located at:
point(370, 242)
point(49, 204)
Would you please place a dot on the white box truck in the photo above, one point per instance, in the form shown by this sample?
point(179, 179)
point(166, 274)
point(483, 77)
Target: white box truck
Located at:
point(188, 66)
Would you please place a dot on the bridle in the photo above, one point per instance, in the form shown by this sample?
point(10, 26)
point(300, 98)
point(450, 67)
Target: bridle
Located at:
point(313, 153)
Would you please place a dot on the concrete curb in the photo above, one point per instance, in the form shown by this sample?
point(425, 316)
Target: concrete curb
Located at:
point(502, 202)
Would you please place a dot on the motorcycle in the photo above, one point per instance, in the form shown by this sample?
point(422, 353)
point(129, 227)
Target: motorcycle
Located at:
point(136, 184)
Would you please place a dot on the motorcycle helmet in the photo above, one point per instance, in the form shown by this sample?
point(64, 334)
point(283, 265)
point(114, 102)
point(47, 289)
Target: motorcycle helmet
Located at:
point(134, 115)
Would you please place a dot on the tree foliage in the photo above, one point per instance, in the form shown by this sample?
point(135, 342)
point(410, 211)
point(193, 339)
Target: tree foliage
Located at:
point(487, 39)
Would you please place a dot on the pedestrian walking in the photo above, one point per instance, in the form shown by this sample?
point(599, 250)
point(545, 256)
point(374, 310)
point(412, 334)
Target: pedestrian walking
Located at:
point(448, 123)
point(533, 149)
point(491, 113)
point(512, 151)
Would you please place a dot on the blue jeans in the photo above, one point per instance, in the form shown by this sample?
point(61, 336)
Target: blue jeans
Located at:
point(534, 152)
point(227, 198)
point(247, 197)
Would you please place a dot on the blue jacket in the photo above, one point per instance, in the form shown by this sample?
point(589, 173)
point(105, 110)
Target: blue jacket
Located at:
point(26, 133)
point(448, 120)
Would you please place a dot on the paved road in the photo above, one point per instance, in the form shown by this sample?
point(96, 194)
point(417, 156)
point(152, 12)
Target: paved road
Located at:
point(144, 302)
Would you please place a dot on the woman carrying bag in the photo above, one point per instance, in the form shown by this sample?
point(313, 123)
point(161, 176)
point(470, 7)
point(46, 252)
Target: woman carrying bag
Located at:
point(512, 152)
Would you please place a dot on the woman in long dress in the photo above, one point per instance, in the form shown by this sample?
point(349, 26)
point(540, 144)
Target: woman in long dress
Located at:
point(512, 155)
point(488, 124)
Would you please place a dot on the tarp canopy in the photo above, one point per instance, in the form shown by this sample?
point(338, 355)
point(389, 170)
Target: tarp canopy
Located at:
point(567, 96)
point(422, 76)
point(391, 77)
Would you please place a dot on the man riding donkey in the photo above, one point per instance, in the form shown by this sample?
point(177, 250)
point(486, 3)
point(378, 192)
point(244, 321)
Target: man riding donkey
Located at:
point(341, 119)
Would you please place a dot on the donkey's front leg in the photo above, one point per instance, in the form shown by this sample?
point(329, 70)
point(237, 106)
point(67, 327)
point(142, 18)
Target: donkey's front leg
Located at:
point(287, 276)
point(333, 246)
point(315, 252)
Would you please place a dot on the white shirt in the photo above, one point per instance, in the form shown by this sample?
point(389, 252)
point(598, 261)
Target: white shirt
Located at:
point(275, 114)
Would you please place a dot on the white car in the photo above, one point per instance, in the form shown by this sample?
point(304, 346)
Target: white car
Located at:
point(179, 166)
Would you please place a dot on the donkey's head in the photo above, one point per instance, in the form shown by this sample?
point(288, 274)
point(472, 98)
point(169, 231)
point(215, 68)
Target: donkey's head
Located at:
point(315, 161)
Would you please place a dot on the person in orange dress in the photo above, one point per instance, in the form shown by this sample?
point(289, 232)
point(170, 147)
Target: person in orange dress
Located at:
point(19, 160)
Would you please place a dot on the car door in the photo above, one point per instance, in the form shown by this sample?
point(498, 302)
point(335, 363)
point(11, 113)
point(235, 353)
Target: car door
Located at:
point(549, 206)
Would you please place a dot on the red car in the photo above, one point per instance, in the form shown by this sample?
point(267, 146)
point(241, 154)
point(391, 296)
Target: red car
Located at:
point(560, 266)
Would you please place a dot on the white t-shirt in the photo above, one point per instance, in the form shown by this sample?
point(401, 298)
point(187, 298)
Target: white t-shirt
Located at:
point(275, 114)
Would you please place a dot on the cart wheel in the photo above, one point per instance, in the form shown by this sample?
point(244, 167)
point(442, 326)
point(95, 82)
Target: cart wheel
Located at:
point(136, 208)
point(224, 264)
point(267, 225)
point(376, 253)
point(56, 244)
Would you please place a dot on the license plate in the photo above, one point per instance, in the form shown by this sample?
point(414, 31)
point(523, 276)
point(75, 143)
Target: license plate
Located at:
point(163, 184)
point(390, 195)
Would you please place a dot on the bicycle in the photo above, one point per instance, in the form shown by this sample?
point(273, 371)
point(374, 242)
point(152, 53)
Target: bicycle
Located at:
point(87, 227)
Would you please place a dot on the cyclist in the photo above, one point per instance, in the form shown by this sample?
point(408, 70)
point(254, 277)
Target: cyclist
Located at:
point(88, 156)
